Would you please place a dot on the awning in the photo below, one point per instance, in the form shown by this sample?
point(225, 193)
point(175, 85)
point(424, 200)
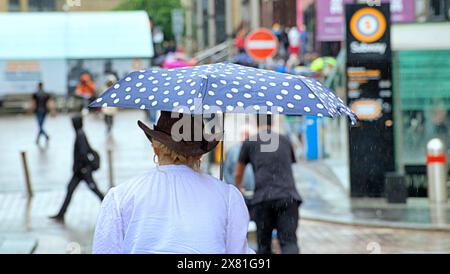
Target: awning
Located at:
point(75, 35)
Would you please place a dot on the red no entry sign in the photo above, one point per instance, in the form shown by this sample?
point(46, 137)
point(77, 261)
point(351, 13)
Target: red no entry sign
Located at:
point(261, 44)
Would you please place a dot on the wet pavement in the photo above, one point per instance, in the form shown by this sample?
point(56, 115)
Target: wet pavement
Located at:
point(327, 200)
point(320, 237)
point(28, 222)
point(25, 228)
point(50, 167)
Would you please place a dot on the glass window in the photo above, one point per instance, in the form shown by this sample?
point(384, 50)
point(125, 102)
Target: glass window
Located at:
point(41, 5)
point(14, 5)
point(438, 10)
point(424, 89)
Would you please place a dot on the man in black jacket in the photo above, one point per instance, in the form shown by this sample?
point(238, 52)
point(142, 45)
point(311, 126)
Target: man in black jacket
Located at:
point(82, 167)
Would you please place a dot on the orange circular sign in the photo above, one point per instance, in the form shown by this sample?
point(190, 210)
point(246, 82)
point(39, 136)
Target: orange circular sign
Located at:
point(368, 25)
point(261, 44)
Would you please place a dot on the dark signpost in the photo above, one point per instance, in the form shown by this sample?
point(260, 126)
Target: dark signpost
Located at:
point(369, 93)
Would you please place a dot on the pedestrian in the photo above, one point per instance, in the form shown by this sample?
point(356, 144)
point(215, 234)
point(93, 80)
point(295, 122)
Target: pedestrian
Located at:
point(239, 39)
point(109, 112)
point(86, 90)
point(304, 37)
point(284, 41)
point(292, 62)
point(85, 161)
point(152, 116)
point(42, 105)
point(231, 159)
point(280, 32)
point(295, 130)
point(276, 200)
point(174, 208)
point(294, 40)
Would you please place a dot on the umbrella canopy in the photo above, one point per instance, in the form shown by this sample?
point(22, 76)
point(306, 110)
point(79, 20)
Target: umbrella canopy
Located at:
point(224, 87)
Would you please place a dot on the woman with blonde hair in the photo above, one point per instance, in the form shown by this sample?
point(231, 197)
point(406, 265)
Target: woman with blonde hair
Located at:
point(174, 208)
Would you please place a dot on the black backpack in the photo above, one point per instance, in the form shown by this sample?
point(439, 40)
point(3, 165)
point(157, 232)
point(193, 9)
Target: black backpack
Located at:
point(94, 159)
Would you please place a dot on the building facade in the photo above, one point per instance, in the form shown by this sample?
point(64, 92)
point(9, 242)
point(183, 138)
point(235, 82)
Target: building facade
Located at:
point(420, 69)
point(56, 5)
point(68, 45)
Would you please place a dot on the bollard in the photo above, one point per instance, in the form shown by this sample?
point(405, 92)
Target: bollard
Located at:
point(110, 168)
point(437, 171)
point(27, 174)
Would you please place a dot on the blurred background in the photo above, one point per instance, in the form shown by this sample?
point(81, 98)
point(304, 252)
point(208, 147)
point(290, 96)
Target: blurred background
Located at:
point(365, 189)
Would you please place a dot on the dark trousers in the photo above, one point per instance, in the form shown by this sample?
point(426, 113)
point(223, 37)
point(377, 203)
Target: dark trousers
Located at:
point(109, 119)
point(77, 177)
point(281, 215)
point(40, 119)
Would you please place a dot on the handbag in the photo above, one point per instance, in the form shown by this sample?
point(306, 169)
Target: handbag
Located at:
point(94, 159)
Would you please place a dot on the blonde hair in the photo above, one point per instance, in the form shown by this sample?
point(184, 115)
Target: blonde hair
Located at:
point(170, 156)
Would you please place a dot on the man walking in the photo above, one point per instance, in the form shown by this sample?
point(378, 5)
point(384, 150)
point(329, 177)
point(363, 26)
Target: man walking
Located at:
point(276, 200)
point(41, 100)
point(84, 163)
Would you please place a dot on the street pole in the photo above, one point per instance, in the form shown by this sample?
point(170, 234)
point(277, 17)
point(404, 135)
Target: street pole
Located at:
point(229, 26)
point(200, 29)
point(255, 14)
point(211, 23)
point(221, 147)
point(27, 174)
point(110, 168)
point(437, 171)
point(437, 181)
point(189, 13)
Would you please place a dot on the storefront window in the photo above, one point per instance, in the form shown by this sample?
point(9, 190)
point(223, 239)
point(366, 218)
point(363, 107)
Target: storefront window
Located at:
point(424, 89)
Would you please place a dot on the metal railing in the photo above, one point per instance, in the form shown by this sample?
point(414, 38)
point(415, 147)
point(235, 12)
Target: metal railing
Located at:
point(215, 54)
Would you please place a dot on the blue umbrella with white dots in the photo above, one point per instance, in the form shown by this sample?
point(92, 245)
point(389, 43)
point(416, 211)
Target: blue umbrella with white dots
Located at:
point(224, 88)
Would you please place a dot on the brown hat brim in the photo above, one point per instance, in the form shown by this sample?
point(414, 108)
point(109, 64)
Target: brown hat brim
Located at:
point(185, 148)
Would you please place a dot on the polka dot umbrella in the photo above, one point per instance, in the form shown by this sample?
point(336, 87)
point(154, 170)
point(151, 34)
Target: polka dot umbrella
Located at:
point(224, 88)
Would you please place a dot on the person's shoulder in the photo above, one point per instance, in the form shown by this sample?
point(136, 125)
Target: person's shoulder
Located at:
point(135, 180)
point(210, 178)
point(130, 185)
point(222, 185)
point(213, 181)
